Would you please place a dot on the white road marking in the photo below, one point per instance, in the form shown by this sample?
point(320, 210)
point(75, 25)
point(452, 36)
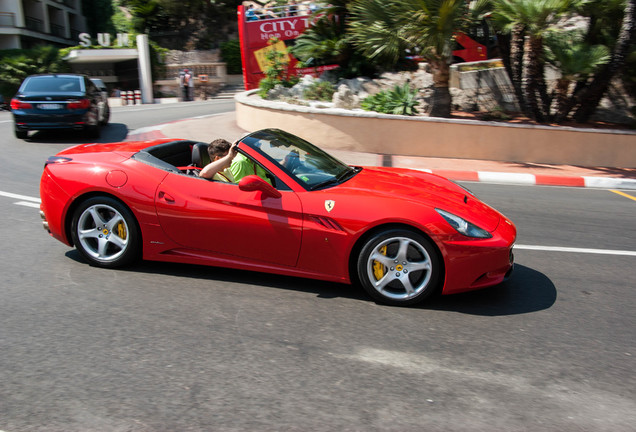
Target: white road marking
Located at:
point(28, 204)
point(576, 250)
point(19, 197)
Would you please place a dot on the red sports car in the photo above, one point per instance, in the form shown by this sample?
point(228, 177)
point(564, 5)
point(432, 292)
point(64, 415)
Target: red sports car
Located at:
point(401, 234)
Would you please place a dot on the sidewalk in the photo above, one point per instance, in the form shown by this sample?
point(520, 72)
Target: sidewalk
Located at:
point(224, 126)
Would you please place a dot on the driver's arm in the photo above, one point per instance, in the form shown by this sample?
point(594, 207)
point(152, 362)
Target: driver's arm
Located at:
point(220, 164)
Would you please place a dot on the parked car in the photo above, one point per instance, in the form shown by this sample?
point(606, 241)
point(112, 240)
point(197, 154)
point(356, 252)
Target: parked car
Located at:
point(402, 234)
point(101, 86)
point(3, 104)
point(59, 101)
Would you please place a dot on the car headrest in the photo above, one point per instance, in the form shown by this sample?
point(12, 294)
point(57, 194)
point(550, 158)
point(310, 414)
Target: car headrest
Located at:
point(200, 155)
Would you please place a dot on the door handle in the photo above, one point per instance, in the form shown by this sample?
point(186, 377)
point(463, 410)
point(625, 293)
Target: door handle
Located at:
point(166, 197)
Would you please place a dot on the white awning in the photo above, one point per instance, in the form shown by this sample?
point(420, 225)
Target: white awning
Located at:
point(102, 55)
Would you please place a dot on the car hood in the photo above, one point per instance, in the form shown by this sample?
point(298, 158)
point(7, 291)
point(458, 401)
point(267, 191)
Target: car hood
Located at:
point(424, 189)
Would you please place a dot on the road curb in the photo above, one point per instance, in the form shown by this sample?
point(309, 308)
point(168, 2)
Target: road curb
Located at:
point(536, 179)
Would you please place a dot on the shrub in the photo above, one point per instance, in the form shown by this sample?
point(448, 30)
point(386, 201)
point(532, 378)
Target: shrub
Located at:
point(231, 54)
point(320, 90)
point(276, 72)
point(401, 100)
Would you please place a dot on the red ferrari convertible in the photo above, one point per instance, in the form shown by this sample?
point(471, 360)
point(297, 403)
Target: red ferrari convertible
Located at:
point(401, 234)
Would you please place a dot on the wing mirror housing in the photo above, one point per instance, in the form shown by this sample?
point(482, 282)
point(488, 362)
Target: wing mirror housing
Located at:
point(252, 183)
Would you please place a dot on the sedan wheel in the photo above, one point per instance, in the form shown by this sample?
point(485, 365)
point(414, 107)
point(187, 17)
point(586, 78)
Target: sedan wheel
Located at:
point(106, 116)
point(105, 232)
point(398, 267)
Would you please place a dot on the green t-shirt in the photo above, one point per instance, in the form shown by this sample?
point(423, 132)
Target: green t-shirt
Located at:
point(224, 176)
point(242, 166)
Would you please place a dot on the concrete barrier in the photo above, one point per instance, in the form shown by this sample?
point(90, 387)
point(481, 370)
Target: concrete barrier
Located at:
point(358, 130)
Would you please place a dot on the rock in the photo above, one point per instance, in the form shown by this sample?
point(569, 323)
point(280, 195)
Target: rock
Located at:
point(278, 92)
point(345, 98)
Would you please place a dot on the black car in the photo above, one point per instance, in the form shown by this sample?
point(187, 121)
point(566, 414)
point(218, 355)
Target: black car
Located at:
point(59, 101)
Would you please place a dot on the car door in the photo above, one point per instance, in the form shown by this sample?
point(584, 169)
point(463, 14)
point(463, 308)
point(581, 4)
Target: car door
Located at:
point(220, 218)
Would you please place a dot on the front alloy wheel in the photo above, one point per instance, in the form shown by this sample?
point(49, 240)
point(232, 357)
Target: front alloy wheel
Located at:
point(398, 267)
point(105, 233)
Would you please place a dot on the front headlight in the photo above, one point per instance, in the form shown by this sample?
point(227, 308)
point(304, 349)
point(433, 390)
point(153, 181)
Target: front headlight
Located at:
point(462, 226)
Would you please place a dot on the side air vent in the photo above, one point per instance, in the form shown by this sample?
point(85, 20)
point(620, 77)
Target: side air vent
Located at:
point(326, 222)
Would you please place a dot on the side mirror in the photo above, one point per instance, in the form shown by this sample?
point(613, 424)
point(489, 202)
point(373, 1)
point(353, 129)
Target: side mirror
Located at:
point(252, 183)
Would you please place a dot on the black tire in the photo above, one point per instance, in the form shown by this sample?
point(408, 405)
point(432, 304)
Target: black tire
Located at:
point(106, 118)
point(106, 233)
point(21, 134)
point(93, 132)
point(406, 272)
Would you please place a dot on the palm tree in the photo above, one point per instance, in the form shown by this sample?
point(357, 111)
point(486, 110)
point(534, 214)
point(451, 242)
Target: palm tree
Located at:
point(528, 21)
point(384, 29)
point(576, 61)
point(589, 97)
point(323, 43)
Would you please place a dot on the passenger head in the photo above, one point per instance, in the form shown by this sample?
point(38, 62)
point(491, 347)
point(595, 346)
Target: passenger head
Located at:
point(218, 148)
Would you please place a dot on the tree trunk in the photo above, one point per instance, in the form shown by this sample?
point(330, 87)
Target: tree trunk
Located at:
point(516, 62)
point(589, 98)
point(441, 100)
point(531, 78)
point(562, 101)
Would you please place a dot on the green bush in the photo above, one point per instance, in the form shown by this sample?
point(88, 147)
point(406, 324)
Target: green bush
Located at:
point(276, 73)
point(401, 100)
point(17, 64)
point(320, 90)
point(231, 54)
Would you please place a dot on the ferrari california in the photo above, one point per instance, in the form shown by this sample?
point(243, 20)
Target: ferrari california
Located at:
point(401, 234)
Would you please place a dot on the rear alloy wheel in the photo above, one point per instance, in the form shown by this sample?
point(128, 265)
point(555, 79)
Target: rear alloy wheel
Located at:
point(398, 267)
point(105, 232)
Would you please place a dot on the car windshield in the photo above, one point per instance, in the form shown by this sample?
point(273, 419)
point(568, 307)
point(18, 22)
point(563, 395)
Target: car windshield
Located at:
point(310, 166)
point(52, 84)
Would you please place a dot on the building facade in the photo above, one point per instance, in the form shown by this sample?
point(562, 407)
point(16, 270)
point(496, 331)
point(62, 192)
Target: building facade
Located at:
point(26, 23)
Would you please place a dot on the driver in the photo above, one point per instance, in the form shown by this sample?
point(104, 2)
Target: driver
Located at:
point(229, 165)
point(221, 154)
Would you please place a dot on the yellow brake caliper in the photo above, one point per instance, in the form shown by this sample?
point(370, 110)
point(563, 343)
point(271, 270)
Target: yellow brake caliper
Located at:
point(121, 230)
point(378, 268)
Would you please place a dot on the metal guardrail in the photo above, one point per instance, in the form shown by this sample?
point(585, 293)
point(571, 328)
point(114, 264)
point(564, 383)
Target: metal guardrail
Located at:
point(34, 24)
point(58, 30)
point(274, 12)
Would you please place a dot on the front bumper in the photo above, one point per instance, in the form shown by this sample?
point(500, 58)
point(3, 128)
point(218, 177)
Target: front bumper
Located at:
point(473, 264)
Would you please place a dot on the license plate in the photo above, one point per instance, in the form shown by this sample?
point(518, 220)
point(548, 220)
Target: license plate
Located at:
point(50, 106)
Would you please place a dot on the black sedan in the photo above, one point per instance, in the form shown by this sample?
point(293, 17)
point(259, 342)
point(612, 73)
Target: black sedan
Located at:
point(59, 101)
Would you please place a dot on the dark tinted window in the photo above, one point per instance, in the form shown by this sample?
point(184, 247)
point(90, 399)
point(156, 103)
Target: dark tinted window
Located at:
point(52, 84)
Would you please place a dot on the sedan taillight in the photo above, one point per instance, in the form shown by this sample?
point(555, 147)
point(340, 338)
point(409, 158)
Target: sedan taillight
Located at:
point(17, 104)
point(79, 104)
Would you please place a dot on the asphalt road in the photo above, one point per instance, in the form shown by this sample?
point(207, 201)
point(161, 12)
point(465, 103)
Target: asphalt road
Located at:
point(167, 347)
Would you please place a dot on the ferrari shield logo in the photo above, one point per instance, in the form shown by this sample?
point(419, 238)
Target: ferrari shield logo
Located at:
point(329, 204)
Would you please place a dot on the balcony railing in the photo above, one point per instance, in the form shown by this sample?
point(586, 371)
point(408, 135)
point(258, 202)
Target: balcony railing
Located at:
point(34, 24)
point(58, 30)
point(7, 19)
